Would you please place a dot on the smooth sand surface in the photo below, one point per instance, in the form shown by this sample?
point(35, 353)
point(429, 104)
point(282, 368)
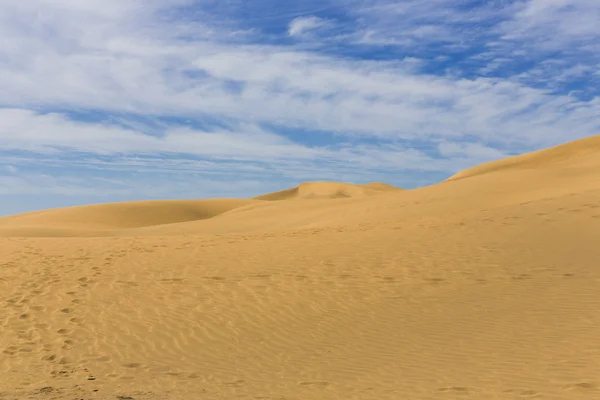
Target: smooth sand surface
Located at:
point(483, 287)
point(109, 219)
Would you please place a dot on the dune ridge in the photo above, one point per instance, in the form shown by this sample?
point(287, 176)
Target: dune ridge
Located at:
point(485, 287)
point(552, 157)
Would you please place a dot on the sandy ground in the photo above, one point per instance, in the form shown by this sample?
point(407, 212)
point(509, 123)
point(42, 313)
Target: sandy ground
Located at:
point(486, 286)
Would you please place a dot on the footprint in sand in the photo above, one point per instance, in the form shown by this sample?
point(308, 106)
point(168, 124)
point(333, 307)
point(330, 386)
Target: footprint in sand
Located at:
point(68, 344)
point(315, 384)
point(521, 277)
point(11, 350)
point(436, 281)
point(237, 383)
point(459, 389)
point(133, 365)
point(529, 393)
point(216, 278)
point(50, 358)
point(584, 386)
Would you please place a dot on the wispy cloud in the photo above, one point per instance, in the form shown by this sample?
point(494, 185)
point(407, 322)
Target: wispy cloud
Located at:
point(11, 169)
point(301, 25)
point(250, 148)
point(554, 24)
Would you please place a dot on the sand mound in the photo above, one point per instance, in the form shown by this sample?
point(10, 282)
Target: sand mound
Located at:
point(548, 158)
point(328, 190)
point(92, 219)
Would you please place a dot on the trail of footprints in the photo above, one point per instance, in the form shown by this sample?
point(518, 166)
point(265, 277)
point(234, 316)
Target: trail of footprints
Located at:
point(35, 307)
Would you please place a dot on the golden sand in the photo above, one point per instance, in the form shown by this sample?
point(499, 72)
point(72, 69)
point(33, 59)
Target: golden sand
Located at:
point(486, 286)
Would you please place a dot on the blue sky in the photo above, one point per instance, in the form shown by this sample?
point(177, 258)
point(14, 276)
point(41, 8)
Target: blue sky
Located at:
point(113, 100)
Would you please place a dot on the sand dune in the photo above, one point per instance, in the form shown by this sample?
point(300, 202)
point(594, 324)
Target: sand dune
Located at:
point(102, 218)
point(553, 158)
point(485, 287)
point(150, 217)
point(328, 190)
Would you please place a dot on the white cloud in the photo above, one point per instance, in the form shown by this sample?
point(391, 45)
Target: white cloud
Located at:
point(285, 87)
point(143, 186)
point(516, 36)
point(246, 150)
point(115, 59)
point(301, 25)
point(50, 133)
point(545, 24)
point(414, 23)
point(554, 23)
point(471, 151)
point(36, 184)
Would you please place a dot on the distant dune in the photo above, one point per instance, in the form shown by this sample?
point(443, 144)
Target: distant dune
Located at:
point(114, 216)
point(328, 190)
point(485, 286)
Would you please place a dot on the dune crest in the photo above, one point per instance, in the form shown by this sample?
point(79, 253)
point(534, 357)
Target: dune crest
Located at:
point(328, 190)
point(547, 158)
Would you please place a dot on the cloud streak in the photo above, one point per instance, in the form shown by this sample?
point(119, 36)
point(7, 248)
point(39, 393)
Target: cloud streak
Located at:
point(301, 25)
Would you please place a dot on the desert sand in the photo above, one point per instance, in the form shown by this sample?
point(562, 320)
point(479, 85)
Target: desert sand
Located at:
point(485, 286)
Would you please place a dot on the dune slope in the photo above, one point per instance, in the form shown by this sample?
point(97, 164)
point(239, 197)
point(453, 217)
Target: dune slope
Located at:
point(479, 288)
point(554, 157)
point(98, 218)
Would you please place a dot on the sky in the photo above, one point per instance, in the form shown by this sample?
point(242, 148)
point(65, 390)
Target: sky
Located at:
point(118, 100)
